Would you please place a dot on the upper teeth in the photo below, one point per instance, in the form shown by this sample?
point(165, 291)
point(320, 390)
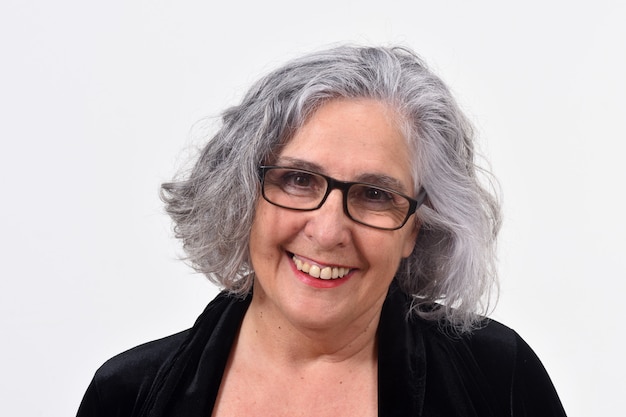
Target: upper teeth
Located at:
point(327, 272)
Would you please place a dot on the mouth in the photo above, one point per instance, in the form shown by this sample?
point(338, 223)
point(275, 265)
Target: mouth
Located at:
point(325, 272)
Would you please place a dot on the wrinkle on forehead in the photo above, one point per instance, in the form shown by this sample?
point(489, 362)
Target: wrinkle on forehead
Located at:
point(374, 178)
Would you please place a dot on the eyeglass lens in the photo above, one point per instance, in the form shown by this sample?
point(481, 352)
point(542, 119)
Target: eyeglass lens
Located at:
point(365, 203)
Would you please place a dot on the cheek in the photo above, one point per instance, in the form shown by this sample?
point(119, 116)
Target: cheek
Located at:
point(409, 242)
point(258, 238)
point(272, 227)
point(265, 221)
point(388, 253)
point(382, 251)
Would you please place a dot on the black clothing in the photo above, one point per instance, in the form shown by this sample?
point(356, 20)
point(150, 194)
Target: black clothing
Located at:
point(423, 370)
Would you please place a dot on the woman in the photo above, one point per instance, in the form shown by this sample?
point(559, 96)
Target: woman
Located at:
point(340, 208)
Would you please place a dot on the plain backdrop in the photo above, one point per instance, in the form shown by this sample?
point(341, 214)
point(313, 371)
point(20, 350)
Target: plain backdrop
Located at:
point(97, 105)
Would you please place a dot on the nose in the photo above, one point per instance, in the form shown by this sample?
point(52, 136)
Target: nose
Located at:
point(328, 226)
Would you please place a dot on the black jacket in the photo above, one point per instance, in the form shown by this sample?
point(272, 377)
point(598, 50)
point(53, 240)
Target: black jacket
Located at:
point(423, 370)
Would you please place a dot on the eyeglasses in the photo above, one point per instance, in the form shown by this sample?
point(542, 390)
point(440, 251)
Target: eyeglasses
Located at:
point(367, 204)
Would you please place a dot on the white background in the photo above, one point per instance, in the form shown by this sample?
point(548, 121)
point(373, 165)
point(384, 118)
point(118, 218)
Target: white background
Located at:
point(97, 101)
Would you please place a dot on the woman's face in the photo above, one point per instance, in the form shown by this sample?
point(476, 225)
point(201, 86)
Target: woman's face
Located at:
point(349, 140)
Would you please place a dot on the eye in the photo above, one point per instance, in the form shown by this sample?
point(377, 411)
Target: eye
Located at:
point(371, 198)
point(299, 183)
point(375, 194)
point(298, 179)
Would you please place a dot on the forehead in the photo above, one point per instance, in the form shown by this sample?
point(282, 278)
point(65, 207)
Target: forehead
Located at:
point(350, 139)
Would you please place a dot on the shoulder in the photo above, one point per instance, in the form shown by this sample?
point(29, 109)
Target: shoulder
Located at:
point(122, 384)
point(488, 353)
point(141, 363)
point(491, 369)
point(531, 390)
point(491, 345)
point(496, 361)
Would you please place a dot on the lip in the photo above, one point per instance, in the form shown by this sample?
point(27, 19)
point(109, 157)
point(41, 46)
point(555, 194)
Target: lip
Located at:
point(316, 282)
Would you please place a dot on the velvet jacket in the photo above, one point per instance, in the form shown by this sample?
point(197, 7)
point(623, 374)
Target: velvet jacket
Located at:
point(423, 370)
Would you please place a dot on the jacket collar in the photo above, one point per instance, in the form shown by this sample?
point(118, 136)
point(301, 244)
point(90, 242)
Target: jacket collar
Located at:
point(401, 359)
point(189, 383)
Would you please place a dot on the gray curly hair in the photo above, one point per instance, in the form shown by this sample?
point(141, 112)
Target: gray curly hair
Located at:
point(453, 263)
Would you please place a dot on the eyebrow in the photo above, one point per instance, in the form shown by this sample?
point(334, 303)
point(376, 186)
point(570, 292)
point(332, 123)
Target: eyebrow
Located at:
point(300, 164)
point(378, 179)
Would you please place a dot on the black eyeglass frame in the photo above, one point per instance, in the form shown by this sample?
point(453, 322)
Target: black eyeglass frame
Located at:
point(344, 186)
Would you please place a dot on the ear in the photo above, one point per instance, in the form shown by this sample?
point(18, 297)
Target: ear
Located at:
point(410, 238)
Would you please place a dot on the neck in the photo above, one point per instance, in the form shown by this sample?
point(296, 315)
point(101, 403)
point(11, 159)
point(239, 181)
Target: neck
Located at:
point(271, 334)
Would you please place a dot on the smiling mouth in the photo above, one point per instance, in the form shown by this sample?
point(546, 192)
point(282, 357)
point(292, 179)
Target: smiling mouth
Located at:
point(320, 272)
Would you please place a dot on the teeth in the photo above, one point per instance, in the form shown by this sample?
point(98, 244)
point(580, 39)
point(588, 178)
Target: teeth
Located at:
point(326, 273)
point(315, 271)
